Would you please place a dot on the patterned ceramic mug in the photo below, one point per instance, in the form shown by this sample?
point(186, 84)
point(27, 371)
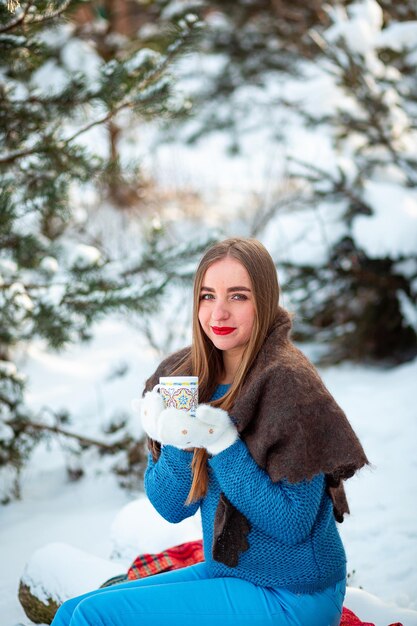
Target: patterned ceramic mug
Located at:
point(180, 392)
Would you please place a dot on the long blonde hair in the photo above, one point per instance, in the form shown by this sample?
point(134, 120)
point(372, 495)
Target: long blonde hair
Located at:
point(205, 360)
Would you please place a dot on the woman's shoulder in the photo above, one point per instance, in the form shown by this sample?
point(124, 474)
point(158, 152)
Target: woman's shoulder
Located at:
point(280, 364)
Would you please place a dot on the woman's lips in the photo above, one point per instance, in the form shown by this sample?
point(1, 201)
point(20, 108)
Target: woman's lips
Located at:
point(222, 330)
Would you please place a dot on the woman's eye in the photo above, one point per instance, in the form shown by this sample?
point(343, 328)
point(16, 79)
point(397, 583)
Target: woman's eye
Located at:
point(236, 296)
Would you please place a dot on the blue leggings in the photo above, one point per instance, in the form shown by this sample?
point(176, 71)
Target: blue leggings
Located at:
point(190, 597)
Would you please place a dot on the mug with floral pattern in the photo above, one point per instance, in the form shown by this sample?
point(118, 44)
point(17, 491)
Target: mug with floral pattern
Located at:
point(180, 392)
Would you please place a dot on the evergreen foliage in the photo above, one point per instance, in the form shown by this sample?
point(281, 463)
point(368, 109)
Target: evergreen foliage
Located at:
point(360, 300)
point(360, 303)
point(249, 42)
point(254, 42)
point(53, 284)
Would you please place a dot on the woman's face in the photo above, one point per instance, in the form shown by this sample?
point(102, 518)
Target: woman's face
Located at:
point(227, 308)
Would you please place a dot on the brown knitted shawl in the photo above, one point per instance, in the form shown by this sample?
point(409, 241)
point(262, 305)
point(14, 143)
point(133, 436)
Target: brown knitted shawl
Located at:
point(292, 426)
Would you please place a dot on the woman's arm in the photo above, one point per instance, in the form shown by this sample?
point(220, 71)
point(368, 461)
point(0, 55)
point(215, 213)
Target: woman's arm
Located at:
point(283, 510)
point(168, 482)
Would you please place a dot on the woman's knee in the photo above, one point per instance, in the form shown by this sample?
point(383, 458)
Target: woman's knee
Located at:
point(85, 614)
point(64, 614)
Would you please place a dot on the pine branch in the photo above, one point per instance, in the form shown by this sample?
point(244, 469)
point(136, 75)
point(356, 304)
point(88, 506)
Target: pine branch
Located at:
point(372, 103)
point(11, 157)
point(325, 175)
point(22, 20)
point(34, 286)
point(129, 103)
point(51, 14)
point(18, 20)
point(173, 50)
point(38, 426)
point(9, 403)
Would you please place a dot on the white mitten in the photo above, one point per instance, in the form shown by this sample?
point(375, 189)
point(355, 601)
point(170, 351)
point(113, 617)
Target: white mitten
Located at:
point(151, 406)
point(177, 428)
point(211, 429)
point(219, 431)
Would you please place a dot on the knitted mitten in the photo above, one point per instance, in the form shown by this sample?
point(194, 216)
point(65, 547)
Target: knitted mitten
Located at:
point(219, 432)
point(211, 428)
point(151, 406)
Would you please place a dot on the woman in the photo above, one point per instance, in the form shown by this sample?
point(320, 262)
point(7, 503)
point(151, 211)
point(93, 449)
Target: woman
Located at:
point(264, 460)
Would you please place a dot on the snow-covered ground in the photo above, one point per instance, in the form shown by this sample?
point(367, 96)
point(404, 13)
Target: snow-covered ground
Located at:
point(97, 517)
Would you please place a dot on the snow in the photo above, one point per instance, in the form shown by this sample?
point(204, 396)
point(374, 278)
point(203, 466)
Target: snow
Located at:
point(297, 236)
point(177, 8)
point(358, 27)
point(82, 256)
point(357, 33)
point(381, 409)
point(143, 57)
point(138, 529)
point(53, 511)
point(49, 79)
point(79, 56)
point(48, 578)
point(372, 609)
point(90, 370)
point(398, 36)
point(408, 310)
point(8, 368)
point(49, 265)
point(6, 433)
point(8, 266)
point(388, 236)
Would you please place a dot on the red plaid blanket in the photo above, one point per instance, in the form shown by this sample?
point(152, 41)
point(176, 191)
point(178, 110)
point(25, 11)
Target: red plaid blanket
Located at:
point(174, 558)
point(190, 553)
point(350, 619)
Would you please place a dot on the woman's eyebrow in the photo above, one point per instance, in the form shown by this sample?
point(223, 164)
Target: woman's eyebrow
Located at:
point(238, 289)
point(229, 290)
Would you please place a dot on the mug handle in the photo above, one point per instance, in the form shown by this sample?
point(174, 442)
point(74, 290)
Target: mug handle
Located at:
point(157, 387)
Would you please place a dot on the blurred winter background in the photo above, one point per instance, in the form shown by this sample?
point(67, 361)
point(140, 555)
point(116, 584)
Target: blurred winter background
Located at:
point(134, 133)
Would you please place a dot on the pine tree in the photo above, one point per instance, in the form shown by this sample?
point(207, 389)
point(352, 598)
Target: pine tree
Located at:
point(246, 44)
point(360, 300)
point(54, 285)
point(361, 304)
point(112, 29)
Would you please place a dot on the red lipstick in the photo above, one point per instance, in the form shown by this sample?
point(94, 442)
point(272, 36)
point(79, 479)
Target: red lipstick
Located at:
point(222, 330)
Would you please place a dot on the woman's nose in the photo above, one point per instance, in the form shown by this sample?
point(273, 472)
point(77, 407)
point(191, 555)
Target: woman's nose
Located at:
point(220, 312)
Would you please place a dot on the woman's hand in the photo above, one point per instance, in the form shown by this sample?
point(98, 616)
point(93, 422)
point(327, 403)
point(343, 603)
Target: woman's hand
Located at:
point(218, 430)
point(211, 429)
point(151, 406)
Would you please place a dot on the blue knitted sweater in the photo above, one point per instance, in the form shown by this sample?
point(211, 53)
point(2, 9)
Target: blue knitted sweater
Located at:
point(293, 541)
